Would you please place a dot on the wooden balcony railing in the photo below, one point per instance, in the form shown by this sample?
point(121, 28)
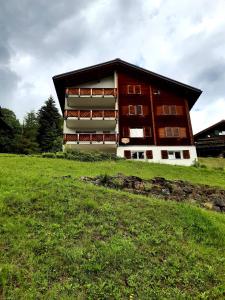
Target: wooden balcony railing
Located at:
point(90, 137)
point(91, 114)
point(211, 142)
point(91, 92)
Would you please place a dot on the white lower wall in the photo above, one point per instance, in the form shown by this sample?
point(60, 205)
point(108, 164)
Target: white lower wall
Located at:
point(156, 151)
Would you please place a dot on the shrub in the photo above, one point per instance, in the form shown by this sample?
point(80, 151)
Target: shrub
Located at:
point(60, 155)
point(49, 155)
point(90, 155)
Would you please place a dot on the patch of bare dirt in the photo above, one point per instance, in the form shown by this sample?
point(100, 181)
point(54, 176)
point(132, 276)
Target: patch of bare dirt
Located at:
point(177, 190)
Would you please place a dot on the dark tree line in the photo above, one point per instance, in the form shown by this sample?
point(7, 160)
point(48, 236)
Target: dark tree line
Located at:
point(40, 132)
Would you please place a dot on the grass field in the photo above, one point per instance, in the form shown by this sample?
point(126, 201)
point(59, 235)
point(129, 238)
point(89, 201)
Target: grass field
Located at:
point(212, 162)
point(63, 239)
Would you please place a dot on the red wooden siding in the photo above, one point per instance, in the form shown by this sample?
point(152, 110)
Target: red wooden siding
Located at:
point(161, 108)
point(134, 108)
point(170, 111)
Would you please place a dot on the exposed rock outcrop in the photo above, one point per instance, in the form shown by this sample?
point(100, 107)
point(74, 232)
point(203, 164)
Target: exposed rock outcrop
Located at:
point(206, 196)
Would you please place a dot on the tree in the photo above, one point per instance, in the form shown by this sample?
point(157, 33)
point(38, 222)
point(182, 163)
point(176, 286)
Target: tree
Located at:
point(28, 143)
point(11, 133)
point(49, 134)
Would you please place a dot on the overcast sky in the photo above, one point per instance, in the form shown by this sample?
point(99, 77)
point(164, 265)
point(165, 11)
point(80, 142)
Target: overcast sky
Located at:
point(184, 40)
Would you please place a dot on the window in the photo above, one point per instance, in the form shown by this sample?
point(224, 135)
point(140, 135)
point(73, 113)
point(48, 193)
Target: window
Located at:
point(169, 110)
point(174, 155)
point(172, 132)
point(137, 155)
point(136, 132)
point(135, 110)
point(139, 110)
point(156, 92)
point(134, 89)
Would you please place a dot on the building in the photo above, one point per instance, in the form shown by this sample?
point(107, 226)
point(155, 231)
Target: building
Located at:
point(122, 108)
point(211, 141)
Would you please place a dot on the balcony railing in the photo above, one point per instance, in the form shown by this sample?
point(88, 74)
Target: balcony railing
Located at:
point(91, 92)
point(91, 114)
point(211, 142)
point(90, 137)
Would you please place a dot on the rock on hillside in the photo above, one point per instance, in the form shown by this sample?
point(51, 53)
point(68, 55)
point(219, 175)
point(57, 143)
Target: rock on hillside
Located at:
point(177, 190)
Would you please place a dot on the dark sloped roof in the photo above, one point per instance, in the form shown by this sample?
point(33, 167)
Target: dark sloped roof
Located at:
point(214, 126)
point(64, 80)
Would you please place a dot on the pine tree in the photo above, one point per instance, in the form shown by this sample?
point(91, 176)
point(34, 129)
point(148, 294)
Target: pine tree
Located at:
point(28, 143)
point(10, 131)
point(49, 135)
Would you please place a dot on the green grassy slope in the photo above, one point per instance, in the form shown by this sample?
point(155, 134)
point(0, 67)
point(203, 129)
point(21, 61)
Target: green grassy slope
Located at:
point(63, 239)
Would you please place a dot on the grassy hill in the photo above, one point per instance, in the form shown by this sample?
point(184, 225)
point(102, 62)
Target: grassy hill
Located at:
point(61, 238)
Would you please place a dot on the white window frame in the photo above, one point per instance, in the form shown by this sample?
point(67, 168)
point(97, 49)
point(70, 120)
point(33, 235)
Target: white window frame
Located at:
point(138, 155)
point(133, 89)
point(136, 132)
point(171, 154)
point(135, 110)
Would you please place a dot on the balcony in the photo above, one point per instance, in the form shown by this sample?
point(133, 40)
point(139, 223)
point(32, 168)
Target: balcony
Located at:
point(91, 92)
point(211, 142)
point(91, 97)
point(91, 138)
point(91, 114)
point(91, 119)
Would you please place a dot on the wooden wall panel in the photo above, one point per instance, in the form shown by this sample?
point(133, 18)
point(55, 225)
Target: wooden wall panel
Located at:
point(152, 97)
point(134, 121)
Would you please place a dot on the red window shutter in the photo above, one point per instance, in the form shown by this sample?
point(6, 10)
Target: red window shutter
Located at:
point(183, 132)
point(162, 132)
point(173, 110)
point(164, 154)
point(147, 131)
point(127, 154)
point(179, 110)
point(132, 110)
point(125, 110)
point(166, 110)
point(186, 154)
point(144, 110)
point(126, 132)
point(159, 110)
point(149, 154)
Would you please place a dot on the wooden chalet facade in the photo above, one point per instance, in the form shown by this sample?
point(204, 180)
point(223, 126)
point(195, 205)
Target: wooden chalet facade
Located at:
point(121, 108)
point(210, 142)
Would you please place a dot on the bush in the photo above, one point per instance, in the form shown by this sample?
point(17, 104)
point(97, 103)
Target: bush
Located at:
point(89, 155)
point(60, 155)
point(49, 155)
point(82, 155)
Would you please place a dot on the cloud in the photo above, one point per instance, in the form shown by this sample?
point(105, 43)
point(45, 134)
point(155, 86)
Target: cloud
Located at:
point(183, 40)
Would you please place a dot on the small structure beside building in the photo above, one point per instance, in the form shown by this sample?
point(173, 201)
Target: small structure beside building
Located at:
point(210, 142)
point(127, 110)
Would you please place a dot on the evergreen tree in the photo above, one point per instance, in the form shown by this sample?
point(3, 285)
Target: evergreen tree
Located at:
point(28, 143)
point(11, 133)
point(49, 135)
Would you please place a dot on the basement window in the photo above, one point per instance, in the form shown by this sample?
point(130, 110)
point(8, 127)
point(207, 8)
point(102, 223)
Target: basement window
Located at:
point(137, 155)
point(174, 155)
